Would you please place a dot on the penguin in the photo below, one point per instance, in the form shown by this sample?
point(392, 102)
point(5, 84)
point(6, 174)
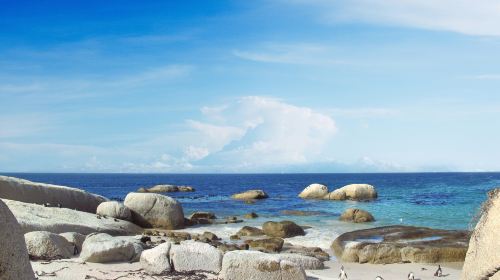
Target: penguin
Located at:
point(98, 216)
point(379, 278)
point(411, 276)
point(439, 271)
point(342, 274)
point(59, 205)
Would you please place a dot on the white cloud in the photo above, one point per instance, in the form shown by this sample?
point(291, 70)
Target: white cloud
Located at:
point(479, 17)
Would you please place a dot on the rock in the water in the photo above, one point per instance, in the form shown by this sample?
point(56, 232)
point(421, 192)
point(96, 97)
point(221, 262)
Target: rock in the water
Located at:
point(283, 229)
point(56, 196)
point(337, 194)
point(155, 210)
point(104, 248)
point(395, 244)
point(156, 261)
point(268, 245)
point(186, 189)
point(249, 231)
point(202, 218)
point(44, 245)
point(314, 191)
point(250, 195)
point(353, 192)
point(75, 238)
point(305, 262)
point(34, 217)
point(196, 256)
point(166, 188)
point(356, 216)
point(483, 256)
point(300, 213)
point(14, 259)
point(251, 215)
point(114, 209)
point(253, 265)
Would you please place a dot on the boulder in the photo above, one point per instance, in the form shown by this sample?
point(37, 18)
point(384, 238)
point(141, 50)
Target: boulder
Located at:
point(196, 256)
point(249, 231)
point(336, 195)
point(14, 259)
point(395, 244)
point(314, 191)
point(58, 196)
point(33, 217)
point(76, 239)
point(114, 209)
point(166, 188)
point(483, 258)
point(44, 245)
point(253, 265)
point(250, 195)
point(155, 261)
point(155, 210)
point(268, 245)
point(305, 262)
point(251, 215)
point(353, 192)
point(202, 218)
point(315, 252)
point(283, 229)
point(104, 248)
point(356, 216)
point(186, 189)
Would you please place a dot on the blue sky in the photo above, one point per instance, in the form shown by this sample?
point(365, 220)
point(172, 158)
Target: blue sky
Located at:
point(250, 86)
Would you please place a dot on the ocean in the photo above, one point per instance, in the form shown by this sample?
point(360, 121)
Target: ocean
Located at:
point(438, 200)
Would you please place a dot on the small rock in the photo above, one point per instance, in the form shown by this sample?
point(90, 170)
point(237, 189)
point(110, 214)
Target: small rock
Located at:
point(196, 256)
point(283, 229)
point(249, 231)
point(44, 245)
point(250, 194)
point(155, 261)
point(251, 215)
point(268, 245)
point(357, 216)
point(314, 191)
point(103, 248)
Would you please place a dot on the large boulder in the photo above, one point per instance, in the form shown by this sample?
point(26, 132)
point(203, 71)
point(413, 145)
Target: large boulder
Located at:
point(395, 244)
point(156, 261)
point(155, 210)
point(14, 259)
point(114, 209)
point(76, 239)
point(356, 216)
point(33, 217)
point(353, 192)
point(314, 191)
point(253, 265)
point(249, 231)
point(54, 195)
point(483, 256)
point(44, 245)
point(104, 248)
point(305, 262)
point(196, 256)
point(283, 229)
point(250, 195)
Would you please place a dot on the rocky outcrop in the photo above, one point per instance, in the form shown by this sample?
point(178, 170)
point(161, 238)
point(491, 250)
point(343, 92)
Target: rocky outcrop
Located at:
point(283, 229)
point(268, 245)
point(14, 259)
point(57, 196)
point(76, 239)
point(395, 244)
point(483, 256)
point(114, 209)
point(167, 188)
point(356, 216)
point(314, 191)
point(353, 192)
point(249, 231)
point(155, 210)
point(44, 245)
point(196, 256)
point(104, 248)
point(305, 262)
point(253, 265)
point(250, 195)
point(156, 261)
point(33, 217)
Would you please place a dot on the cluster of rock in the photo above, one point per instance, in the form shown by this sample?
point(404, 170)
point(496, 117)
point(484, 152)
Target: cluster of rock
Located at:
point(359, 192)
point(166, 189)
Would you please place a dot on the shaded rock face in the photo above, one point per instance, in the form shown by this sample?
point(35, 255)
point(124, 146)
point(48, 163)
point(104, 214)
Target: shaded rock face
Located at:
point(268, 245)
point(14, 260)
point(156, 261)
point(314, 191)
point(283, 229)
point(59, 196)
point(166, 189)
point(76, 239)
point(353, 192)
point(196, 256)
point(394, 244)
point(44, 245)
point(249, 231)
point(103, 248)
point(253, 265)
point(114, 209)
point(155, 210)
point(483, 256)
point(356, 216)
point(34, 217)
point(250, 195)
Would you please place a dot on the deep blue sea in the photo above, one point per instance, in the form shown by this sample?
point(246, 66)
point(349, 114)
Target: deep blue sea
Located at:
point(440, 200)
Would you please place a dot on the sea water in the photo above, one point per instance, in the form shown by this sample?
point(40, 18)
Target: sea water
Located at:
point(438, 200)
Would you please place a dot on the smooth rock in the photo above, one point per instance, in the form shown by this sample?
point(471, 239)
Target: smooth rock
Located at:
point(104, 248)
point(354, 192)
point(283, 229)
point(44, 245)
point(196, 256)
point(314, 191)
point(114, 209)
point(337, 194)
point(268, 245)
point(58, 196)
point(14, 259)
point(314, 252)
point(155, 210)
point(249, 231)
point(156, 261)
point(250, 195)
point(356, 216)
point(483, 256)
point(166, 188)
point(33, 217)
point(76, 239)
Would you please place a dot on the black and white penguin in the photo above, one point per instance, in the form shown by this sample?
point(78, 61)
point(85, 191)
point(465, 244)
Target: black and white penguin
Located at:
point(379, 278)
point(342, 274)
point(411, 276)
point(439, 271)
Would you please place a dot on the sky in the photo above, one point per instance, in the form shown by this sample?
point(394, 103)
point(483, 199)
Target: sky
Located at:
point(250, 86)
